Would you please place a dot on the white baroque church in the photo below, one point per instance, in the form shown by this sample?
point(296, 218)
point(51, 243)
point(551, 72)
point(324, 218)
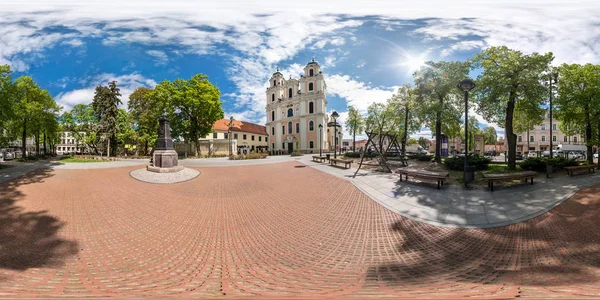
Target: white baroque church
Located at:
point(296, 108)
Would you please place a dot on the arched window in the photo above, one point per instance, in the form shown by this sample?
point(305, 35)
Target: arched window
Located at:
point(272, 130)
point(310, 86)
point(273, 97)
point(274, 82)
point(311, 125)
point(310, 72)
point(290, 92)
point(311, 108)
point(297, 127)
point(272, 115)
point(290, 127)
point(290, 113)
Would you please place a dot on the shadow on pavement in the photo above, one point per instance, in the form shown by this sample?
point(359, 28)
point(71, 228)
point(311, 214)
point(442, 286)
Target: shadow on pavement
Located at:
point(559, 248)
point(28, 239)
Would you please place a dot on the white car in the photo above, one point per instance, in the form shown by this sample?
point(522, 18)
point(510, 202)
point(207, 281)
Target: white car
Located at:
point(596, 155)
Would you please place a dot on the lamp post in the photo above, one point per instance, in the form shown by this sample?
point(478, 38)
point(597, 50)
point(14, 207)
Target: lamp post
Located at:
point(334, 115)
point(553, 80)
point(229, 131)
point(340, 134)
point(466, 85)
point(320, 139)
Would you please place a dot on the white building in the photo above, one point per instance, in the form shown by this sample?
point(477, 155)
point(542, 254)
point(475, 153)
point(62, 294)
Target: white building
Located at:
point(295, 109)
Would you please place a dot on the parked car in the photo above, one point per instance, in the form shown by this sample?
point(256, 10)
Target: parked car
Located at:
point(596, 155)
point(519, 156)
point(8, 156)
point(531, 153)
point(490, 153)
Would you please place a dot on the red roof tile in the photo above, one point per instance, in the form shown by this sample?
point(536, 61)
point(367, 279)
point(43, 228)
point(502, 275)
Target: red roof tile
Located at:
point(240, 126)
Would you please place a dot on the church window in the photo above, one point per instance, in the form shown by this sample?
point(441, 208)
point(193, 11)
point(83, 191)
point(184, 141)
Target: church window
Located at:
point(310, 72)
point(290, 92)
point(272, 115)
point(273, 97)
point(289, 127)
point(311, 126)
point(311, 108)
point(290, 113)
point(274, 83)
point(297, 127)
point(272, 130)
point(310, 86)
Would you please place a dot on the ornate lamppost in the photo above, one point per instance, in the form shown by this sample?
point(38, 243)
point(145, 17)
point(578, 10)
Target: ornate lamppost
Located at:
point(320, 139)
point(335, 115)
point(229, 132)
point(466, 85)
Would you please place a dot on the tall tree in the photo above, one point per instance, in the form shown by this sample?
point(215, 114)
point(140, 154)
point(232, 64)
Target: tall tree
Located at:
point(439, 98)
point(491, 138)
point(106, 110)
point(144, 115)
point(82, 124)
point(578, 103)
point(7, 100)
point(29, 98)
point(402, 105)
point(423, 142)
point(509, 77)
point(354, 124)
point(193, 106)
point(379, 120)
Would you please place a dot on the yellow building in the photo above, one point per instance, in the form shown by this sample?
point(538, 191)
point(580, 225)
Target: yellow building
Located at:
point(245, 138)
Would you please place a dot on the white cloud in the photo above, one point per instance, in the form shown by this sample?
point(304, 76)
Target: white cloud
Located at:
point(462, 46)
point(160, 57)
point(73, 43)
point(126, 83)
point(356, 93)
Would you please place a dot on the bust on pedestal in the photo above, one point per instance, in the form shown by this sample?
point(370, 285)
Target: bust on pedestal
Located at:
point(164, 159)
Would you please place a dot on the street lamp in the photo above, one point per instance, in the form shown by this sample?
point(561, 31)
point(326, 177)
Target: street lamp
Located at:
point(334, 115)
point(466, 85)
point(320, 139)
point(229, 131)
point(340, 134)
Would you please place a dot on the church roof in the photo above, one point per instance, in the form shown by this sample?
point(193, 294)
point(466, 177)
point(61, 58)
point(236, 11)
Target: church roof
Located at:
point(240, 126)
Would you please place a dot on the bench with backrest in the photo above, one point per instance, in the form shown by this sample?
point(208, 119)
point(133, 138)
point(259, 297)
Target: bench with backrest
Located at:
point(347, 163)
point(438, 177)
point(578, 169)
point(319, 158)
point(491, 178)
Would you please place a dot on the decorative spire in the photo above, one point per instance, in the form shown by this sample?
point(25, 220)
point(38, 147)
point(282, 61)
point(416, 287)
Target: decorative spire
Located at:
point(277, 69)
point(313, 59)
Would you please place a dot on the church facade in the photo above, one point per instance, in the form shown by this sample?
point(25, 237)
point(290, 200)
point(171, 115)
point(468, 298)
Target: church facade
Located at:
point(295, 109)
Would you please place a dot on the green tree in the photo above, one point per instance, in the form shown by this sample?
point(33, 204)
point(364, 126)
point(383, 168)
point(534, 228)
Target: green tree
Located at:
point(82, 124)
point(473, 130)
point(192, 106)
point(379, 121)
point(354, 124)
point(491, 138)
point(412, 141)
point(578, 102)
point(402, 105)
point(423, 142)
point(439, 99)
point(7, 100)
point(509, 77)
point(126, 135)
point(144, 115)
point(106, 110)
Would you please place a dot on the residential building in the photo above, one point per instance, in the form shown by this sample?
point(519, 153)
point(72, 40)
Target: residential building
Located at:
point(538, 139)
point(70, 144)
point(295, 108)
point(245, 137)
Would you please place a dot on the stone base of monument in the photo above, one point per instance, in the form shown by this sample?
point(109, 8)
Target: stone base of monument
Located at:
point(164, 170)
point(145, 175)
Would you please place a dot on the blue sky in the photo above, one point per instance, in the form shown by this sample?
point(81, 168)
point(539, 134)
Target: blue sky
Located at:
point(366, 50)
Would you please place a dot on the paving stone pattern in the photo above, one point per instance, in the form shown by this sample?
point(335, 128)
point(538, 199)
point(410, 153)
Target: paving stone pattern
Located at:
point(273, 231)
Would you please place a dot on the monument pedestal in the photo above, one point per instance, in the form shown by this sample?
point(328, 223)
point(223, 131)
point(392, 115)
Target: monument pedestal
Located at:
point(164, 161)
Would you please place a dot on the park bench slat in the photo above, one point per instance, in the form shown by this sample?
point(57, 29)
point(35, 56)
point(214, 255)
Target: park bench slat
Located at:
point(424, 175)
point(491, 178)
point(589, 168)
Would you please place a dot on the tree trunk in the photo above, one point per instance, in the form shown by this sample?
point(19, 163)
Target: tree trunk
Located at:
point(588, 136)
point(438, 133)
point(146, 148)
point(108, 148)
point(197, 151)
point(353, 140)
point(37, 144)
point(24, 139)
point(45, 149)
point(511, 138)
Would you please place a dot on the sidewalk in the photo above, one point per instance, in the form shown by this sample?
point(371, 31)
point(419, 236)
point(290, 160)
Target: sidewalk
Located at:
point(453, 206)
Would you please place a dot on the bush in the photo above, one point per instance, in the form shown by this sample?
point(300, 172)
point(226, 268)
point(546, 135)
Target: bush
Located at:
point(357, 154)
point(248, 156)
point(458, 163)
point(538, 164)
point(297, 153)
point(423, 157)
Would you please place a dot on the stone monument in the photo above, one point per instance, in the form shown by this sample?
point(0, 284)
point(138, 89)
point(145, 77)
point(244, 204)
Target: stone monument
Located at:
point(164, 159)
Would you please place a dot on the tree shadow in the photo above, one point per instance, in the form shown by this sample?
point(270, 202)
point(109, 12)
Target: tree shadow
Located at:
point(28, 239)
point(558, 248)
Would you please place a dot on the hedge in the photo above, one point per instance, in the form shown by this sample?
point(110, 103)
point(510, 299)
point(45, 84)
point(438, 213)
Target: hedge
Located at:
point(357, 154)
point(458, 163)
point(538, 164)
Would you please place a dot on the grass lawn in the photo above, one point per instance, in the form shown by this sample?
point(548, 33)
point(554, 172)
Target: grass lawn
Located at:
point(80, 160)
point(3, 166)
point(501, 168)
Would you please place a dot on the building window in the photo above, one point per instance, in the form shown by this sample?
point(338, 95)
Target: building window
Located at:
point(283, 145)
point(520, 139)
point(553, 126)
point(273, 116)
point(283, 129)
point(274, 82)
point(531, 138)
point(273, 97)
point(253, 138)
point(543, 138)
point(575, 139)
point(311, 126)
point(244, 136)
point(272, 130)
point(565, 140)
point(235, 136)
point(297, 127)
point(290, 112)
point(311, 107)
point(290, 92)
point(310, 72)
point(214, 135)
point(289, 127)
point(310, 86)
point(260, 138)
point(311, 144)
point(543, 126)
point(266, 139)
point(226, 135)
point(554, 138)
point(273, 146)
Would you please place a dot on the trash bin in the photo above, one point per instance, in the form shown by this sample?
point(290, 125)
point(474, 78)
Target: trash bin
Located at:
point(548, 170)
point(328, 155)
point(469, 175)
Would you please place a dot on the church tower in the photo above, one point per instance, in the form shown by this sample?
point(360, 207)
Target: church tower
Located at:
point(295, 109)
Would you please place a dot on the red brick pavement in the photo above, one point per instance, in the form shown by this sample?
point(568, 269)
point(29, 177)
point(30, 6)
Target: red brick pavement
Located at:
point(273, 231)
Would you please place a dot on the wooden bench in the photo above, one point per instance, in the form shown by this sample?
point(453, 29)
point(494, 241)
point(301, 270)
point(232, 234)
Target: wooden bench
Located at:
point(424, 175)
point(491, 178)
point(576, 169)
point(334, 161)
point(319, 158)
